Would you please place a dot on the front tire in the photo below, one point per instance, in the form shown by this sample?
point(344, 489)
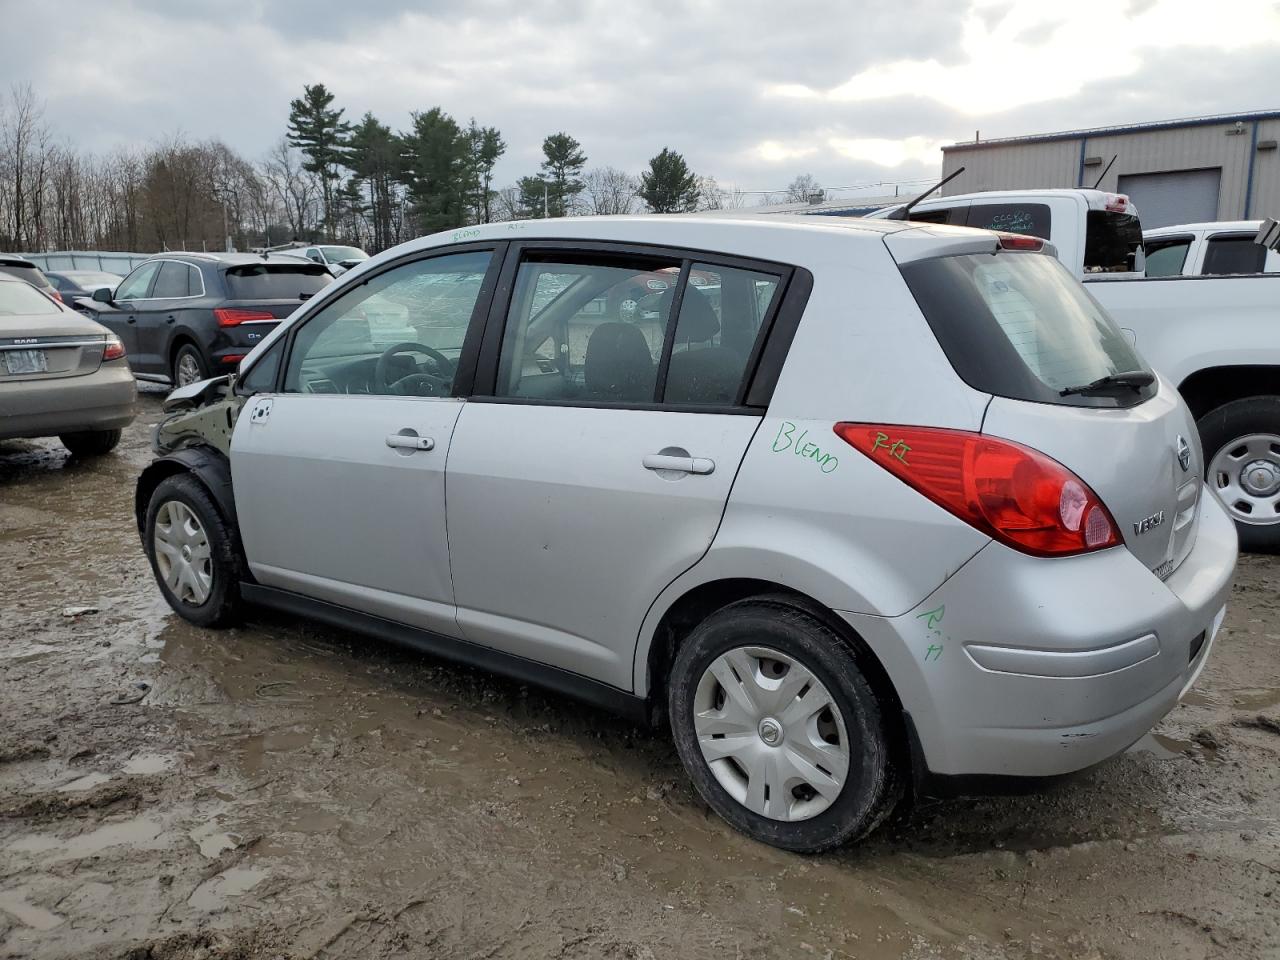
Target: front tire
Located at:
point(779, 729)
point(1241, 443)
point(91, 443)
point(188, 366)
point(194, 553)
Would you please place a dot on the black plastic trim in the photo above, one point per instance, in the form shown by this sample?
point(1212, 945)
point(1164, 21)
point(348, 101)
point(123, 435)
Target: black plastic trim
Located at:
point(564, 682)
point(208, 465)
point(776, 343)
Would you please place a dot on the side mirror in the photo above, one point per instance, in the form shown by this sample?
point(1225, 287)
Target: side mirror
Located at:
point(102, 295)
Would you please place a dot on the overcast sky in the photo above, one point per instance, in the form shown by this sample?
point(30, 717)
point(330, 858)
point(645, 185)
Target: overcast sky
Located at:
point(751, 92)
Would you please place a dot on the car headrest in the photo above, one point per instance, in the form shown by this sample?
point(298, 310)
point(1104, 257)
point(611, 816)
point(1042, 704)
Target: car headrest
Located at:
point(698, 321)
point(618, 364)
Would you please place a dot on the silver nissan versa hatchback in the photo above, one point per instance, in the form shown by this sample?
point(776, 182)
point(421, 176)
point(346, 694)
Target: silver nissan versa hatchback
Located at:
point(852, 505)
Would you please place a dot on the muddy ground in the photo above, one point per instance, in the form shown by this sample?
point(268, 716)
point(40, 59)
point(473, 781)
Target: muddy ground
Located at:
point(284, 790)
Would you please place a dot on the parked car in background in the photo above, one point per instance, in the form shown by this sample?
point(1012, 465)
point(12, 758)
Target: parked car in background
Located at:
point(61, 374)
point(339, 259)
point(957, 530)
point(1224, 248)
point(186, 316)
point(22, 268)
point(1210, 329)
point(74, 284)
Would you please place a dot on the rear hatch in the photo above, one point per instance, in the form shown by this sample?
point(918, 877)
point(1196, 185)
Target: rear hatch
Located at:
point(269, 291)
point(1066, 382)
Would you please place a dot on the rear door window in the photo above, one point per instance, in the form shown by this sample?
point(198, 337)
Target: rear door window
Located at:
point(1233, 254)
point(1032, 219)
point(1167, 256)
point(1021, 326)
point(275, 281)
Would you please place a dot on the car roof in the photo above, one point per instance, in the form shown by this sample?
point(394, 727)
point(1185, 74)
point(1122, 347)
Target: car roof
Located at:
point(226, 259)
point(15, 259)
point(1239, 226)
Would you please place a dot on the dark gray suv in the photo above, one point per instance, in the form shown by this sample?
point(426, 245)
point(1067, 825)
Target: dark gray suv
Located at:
point(185, 317)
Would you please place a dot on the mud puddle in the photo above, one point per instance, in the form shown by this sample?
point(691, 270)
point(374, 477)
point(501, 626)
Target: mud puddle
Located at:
point(287, 790)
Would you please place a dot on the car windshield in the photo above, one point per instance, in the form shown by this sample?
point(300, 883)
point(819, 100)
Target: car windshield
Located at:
point(276, 281)
point(338, 254)
point(21, 299)
point(1019, 325)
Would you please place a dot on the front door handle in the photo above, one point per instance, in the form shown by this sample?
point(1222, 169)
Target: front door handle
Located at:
point(400, 441)
point(659, 461)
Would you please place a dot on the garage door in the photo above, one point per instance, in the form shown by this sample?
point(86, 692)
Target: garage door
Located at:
point(1165, 199)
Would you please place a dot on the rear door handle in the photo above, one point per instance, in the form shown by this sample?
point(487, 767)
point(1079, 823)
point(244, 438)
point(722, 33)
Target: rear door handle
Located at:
point(658, 461)
point(402, 442)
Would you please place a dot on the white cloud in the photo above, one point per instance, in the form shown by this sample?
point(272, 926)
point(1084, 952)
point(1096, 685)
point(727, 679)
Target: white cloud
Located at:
point(1037, 52)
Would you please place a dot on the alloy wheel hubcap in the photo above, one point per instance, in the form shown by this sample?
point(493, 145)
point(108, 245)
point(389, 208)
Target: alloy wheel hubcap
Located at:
point(188, 371)
point(1245, 474)
point(771, 733)
point(183, 556)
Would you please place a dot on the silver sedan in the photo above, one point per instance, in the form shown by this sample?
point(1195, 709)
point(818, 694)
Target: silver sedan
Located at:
point(61, 374)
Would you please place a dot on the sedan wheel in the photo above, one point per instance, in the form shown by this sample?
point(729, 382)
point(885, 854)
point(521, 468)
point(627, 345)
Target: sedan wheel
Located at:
point(183, 557)
point(771, 733)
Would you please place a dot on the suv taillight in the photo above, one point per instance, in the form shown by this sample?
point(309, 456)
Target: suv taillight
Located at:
point(1012, 493)
point(230, 317)
point(114, 348)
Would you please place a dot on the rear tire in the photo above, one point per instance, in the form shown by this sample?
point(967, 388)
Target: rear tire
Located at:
point(91, 443)
point(188, 366)
point(194, 553)
point(1241, 441)
point(791, 777)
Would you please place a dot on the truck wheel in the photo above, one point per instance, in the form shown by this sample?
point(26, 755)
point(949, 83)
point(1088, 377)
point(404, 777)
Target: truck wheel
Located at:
point(779, 729)
point(91, 443)
point(1241, 441)
point(194, 553)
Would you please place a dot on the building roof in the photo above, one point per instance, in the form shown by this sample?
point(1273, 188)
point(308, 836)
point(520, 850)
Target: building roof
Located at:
point(1110, 131)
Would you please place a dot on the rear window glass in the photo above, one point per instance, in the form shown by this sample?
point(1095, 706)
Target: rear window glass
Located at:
point(1165, 258)
point(1032, 219)
point(31, 274)
point(275, 281)
point(1020, 326)
point(18, 299)
point(1226, 255)
point(1112, 242)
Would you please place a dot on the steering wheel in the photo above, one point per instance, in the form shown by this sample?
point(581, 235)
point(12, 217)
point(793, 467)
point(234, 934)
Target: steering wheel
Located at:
point(414, 384)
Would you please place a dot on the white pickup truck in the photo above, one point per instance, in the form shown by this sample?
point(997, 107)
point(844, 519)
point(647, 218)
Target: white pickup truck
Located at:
point(1216, 337)
point(1220, 249)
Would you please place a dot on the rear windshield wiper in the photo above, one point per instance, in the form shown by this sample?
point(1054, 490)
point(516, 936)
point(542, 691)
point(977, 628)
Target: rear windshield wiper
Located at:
point(1131, 379)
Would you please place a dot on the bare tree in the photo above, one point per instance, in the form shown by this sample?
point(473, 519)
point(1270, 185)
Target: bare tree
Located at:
point(25, 158)
point(296, 190)
point(508, 206)
point(609, 190)
point(803, 189)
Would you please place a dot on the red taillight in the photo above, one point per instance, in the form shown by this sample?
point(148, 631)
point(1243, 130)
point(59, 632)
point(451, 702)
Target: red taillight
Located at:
point(230, 317)
point(233, 358)
point(1012, 493)
point(55, 294)
point(1016, 241)
point(114, 349)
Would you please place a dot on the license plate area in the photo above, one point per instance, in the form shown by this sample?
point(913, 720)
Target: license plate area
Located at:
point(25, 361)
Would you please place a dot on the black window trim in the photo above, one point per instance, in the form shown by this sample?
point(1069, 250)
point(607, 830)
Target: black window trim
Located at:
point(465, 374)
point(773, 340)
point(159, 262)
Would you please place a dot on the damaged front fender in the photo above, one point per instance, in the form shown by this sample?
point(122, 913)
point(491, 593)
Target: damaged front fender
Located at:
point(200, 414)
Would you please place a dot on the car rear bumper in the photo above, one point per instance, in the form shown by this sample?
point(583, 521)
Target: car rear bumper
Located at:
point(1024, 667)
point(102, 400)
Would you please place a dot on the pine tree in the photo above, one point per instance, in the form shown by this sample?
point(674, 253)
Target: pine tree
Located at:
point(435, 162)
point(669, 186)
point(559, 184)
point(374, 158)
point(321, 134)
point(484, 145)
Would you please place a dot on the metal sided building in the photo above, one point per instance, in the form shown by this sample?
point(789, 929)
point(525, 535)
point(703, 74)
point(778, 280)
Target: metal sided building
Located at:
point(1176, 171)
